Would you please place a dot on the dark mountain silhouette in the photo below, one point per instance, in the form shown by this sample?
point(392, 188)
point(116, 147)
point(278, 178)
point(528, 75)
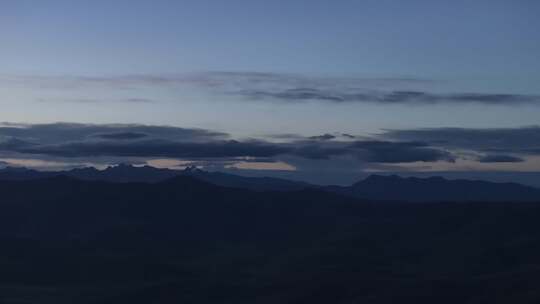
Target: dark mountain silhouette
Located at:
point(183, 240)
point(395, 188)
point(128, 173)
point(119, 173)
point(375, 187)
point(20, 173)
point(252, 183)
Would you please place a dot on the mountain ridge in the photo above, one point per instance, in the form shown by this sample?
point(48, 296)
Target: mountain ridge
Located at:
point(374, 187)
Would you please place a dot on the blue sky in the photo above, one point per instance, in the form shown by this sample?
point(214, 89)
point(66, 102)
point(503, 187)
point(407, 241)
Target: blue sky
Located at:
point(441, 39)
point(257, 69)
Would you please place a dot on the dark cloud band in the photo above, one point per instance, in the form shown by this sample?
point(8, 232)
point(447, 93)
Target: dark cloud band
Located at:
point(67, 140)
point(491, 158)
point(525, 140)
point(81, 140)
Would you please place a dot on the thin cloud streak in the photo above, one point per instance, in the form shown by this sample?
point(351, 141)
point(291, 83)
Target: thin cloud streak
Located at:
point(281, 88)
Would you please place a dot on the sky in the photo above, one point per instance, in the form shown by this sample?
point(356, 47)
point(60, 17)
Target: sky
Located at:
point(323, 91)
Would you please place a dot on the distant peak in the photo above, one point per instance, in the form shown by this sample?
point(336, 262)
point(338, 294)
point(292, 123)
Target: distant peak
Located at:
point(397, 177)
point(120, 166)
point(192, 169)
point(16, 169)
point(378, 177)
point(87, 169)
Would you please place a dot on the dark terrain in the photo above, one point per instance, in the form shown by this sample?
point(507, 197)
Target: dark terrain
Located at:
point(183, 240)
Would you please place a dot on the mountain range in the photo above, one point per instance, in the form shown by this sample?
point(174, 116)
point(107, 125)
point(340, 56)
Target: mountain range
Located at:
point(374, 187)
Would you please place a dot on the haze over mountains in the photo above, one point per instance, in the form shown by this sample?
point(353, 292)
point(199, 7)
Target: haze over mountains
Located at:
point(375, 187)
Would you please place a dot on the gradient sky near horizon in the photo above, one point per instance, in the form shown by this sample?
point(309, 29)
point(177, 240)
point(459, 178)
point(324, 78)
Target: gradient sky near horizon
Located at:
point(363, 86)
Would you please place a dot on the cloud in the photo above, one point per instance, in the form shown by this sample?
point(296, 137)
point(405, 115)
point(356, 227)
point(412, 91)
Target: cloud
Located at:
point(295, 94)
point(9, 144)
point(157, 148)
point(330, 155)
point(498, 158)
point(335, 136)
point(93, 100)
point(66, 140)
point(65, 132)
point(121, 140)
point(346, 135)
point(318, 151)
point(122, 135)
point(373, 151)
point(280, 87)
point(131, 141)
point(138, 100)
point(381, 152)
point(402, 152)
point(323, 137)
point(524, 140)
point(385, 97)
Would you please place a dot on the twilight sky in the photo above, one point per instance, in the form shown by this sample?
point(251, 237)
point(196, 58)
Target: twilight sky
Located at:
point(324, 91)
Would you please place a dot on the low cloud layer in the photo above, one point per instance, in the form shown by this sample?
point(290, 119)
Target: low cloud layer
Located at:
point(122, 135)
point(82, 140)
point(491, 158)
point(154, 148)
point(525, 140)
point(57, 133)
point(136, 143)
